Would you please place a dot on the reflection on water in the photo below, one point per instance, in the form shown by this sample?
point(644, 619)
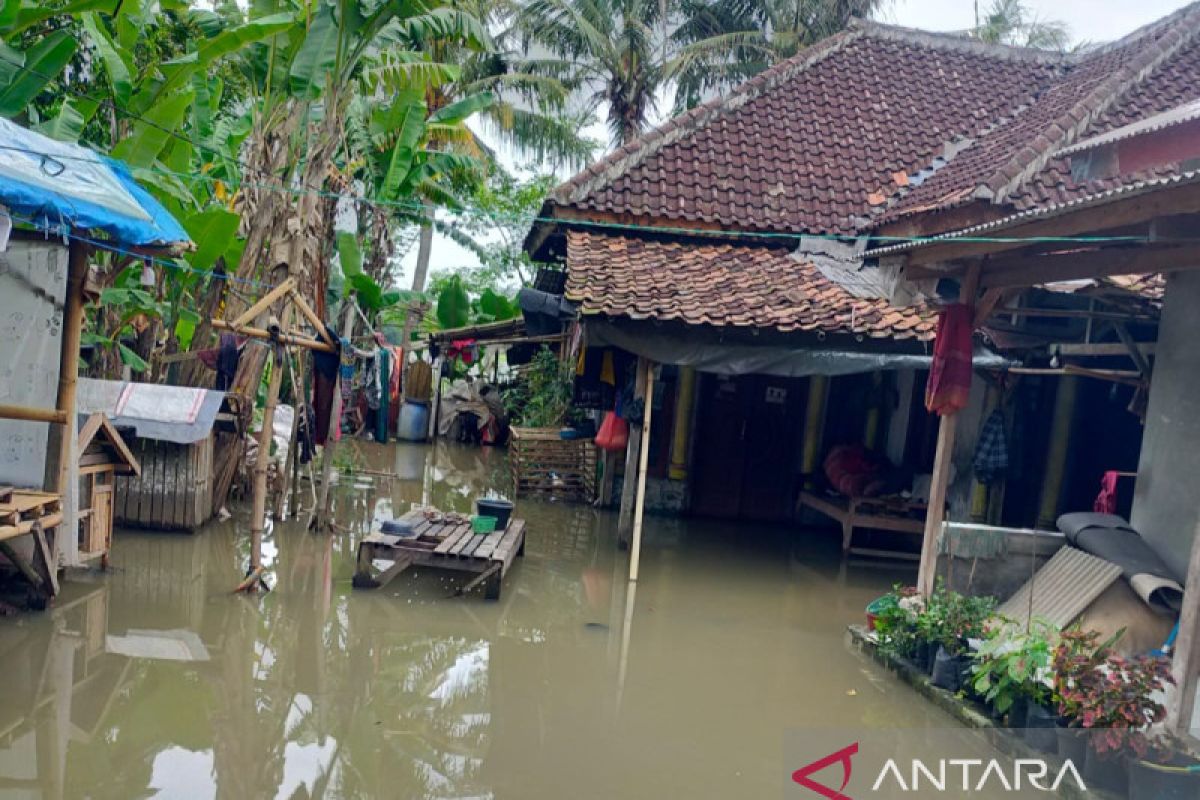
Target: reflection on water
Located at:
point(155, 680)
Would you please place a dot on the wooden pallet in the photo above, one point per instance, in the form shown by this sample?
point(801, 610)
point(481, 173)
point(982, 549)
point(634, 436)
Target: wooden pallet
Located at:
point(544, 463)
point(443, 543)
point(20, 508)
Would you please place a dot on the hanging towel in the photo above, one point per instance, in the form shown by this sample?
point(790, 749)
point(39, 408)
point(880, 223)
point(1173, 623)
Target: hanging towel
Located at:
point(1106, 501)
point(991, 452)
point(949, 386)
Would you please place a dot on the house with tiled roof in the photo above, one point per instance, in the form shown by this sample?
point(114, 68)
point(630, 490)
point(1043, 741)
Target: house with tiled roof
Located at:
point(753, 248)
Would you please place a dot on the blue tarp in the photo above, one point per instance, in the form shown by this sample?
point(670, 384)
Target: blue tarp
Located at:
point(56, 184)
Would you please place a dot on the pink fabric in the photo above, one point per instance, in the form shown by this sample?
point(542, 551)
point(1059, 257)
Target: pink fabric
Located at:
point(1106, 501)
point(949, 386)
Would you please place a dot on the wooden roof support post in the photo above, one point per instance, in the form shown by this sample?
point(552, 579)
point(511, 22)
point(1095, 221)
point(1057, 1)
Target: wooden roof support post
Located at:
point(639, 509)
point(632, 451)
point(1186, 664)
point(68, 379)
point(947, 428)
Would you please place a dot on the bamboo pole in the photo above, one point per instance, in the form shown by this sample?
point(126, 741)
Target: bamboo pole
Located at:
point(321, 516)
point(643, 459)
point(258, 518)
point(30, 414)
point(632, 455)
point(947, 429)
point(67, 484)
point(681, 437)
point(265, 335)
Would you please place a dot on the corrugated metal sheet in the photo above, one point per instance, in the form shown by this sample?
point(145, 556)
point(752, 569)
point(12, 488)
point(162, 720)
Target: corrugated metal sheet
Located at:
point(1063, 588)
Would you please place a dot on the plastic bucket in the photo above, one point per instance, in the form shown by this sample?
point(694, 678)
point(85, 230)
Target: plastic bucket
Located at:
point(494, 507)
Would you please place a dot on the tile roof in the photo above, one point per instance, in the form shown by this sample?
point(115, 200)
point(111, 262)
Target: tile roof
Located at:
point(725, 285)
point(1150, 71)
point(818, 142)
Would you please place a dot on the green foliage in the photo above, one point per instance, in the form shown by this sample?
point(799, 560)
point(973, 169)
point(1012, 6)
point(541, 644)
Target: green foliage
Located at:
point(42, 63)
point(541, 398)
point(453, 305)
point(1011, 664)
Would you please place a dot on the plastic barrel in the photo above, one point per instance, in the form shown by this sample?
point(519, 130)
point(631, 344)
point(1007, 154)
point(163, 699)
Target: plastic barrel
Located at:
point(414, 422)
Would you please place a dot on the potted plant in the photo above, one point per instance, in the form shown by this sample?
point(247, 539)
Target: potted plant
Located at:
point(893, 617)
point(1116, 704)
point(960, 619)
point(1077, 658)
point(1164, 770)
point(1012, 673)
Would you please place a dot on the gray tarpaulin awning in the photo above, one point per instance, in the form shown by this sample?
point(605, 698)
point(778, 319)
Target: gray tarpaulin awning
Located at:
point(177, 414)
point(689, 349)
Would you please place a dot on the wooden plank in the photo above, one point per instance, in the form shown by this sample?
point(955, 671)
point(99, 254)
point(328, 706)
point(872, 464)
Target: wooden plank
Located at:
point(491, 542)
point(5, 493)
point(464, 539)
point(476, 540)
point(452, 540)
point(513, 540)
point(45, 558)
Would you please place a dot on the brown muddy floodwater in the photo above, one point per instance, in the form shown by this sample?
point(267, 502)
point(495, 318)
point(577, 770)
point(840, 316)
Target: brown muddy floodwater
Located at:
point(153, 680)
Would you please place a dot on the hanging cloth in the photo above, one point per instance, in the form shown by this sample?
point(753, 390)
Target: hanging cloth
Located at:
point(991, 451)
point(1106, 501)
point(325, 373)
point(949, 386)
point(382, 379)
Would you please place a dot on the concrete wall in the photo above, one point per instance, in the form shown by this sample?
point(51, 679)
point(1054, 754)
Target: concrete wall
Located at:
point(1165, 504)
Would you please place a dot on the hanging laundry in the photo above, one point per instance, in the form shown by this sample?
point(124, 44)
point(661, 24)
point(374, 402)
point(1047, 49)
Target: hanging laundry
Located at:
point(347, 364)
point(466, 349)
point(325, 374)
point(227, 361)
point(1106, 501)
point(375, 381)
point(991, 451)
point(949, 386)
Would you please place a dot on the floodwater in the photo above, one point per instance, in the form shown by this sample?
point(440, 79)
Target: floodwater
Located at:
point(155, 680)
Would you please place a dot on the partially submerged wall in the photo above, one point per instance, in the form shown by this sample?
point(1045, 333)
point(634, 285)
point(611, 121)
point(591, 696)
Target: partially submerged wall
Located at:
point(1165, 507)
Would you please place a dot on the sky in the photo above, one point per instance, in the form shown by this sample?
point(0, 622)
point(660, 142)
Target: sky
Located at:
point(1092, 21)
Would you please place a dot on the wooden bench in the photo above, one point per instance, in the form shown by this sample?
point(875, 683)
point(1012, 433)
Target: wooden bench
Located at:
point(882, 513)
point(445, 543)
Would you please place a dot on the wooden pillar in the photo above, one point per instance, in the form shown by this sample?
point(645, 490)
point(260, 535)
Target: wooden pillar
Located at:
point(435, 406)
point(1186, 664)
point(943, 456)
point(635, 550)
point(632, 451)
point(814, 425)
point(258, 519)
point(68, 378)
point(321, 516)
point(1056, 456)
point(874, 412)
point(683, 424)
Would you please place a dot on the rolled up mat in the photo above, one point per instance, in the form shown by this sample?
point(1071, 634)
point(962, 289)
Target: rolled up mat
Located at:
point(1110, 537)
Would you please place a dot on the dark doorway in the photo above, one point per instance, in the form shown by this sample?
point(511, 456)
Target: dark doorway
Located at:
point(747, 446)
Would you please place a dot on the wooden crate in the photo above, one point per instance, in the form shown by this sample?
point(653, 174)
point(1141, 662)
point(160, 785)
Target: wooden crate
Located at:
point(544, 463)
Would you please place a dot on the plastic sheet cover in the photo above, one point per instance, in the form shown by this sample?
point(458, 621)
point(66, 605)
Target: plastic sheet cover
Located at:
point(734, 358)
point(54, 183)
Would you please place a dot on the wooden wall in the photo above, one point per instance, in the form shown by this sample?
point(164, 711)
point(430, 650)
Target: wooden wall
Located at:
point(175, 489)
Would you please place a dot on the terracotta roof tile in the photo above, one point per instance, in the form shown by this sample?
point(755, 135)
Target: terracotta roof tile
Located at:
point(725, 285)
point(805, 145)
point(1150, 71)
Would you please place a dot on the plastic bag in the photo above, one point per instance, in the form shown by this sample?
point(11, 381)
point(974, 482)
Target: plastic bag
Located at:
point(614, 433)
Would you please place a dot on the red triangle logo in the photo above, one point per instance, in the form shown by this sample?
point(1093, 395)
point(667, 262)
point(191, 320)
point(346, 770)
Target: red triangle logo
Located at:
point(843, 756)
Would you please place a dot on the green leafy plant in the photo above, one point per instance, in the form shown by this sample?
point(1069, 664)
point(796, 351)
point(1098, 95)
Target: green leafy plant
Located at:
point(1011, 664)
point(896, 620)
point(1077, 659)
point(950, 619)
point(1117, 700)
point(542, 397)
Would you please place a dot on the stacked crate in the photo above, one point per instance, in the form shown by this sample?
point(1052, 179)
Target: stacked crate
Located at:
point(544, 463)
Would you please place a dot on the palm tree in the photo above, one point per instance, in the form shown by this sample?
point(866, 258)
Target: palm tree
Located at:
point(1011, 22)
point(720, 43)
point(609, 51)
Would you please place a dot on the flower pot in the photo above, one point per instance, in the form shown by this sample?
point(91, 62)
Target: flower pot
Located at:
point(923, 657)
point(1040, 732)
point(946, 671)
point(1017, 713)
point(1157, 782)
point(1106, 771)
point(965, 678)
point(1072, 745)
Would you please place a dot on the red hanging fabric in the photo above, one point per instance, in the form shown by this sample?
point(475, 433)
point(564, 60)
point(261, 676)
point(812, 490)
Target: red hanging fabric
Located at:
point(949, 385)
point(1106, 501)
